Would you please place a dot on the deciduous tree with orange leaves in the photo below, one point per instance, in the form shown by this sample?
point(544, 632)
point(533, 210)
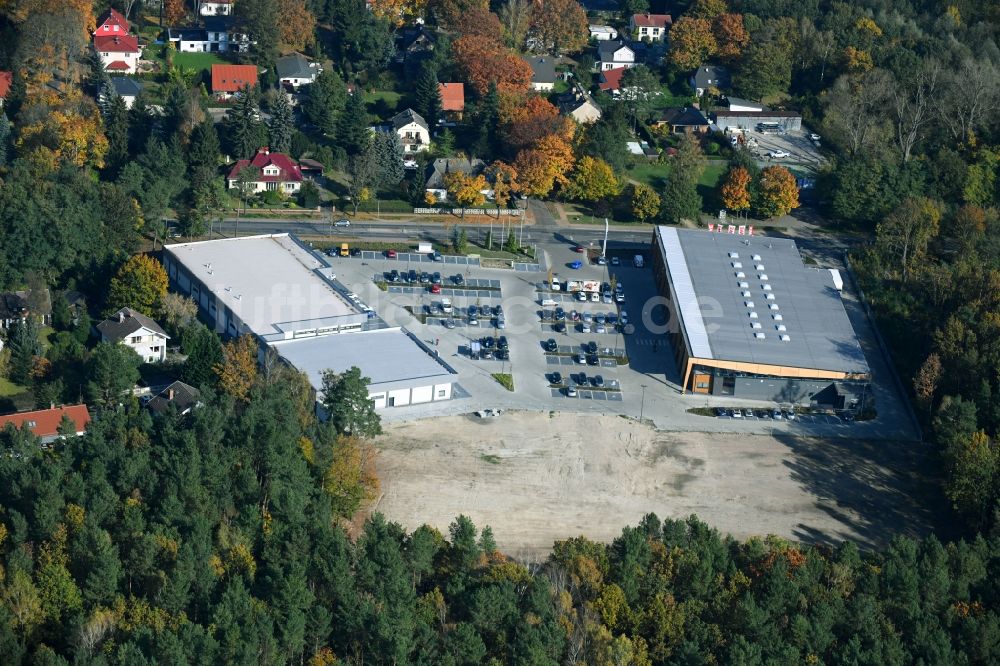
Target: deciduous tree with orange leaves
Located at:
point(298, 25)
point(560, 26)
point(504, 179)
point(398, 12)
point(481, 22)
point(778, 192)
point(174, 11)
point(529, 119)
point(731, 36)
point(544, 165)
point(691, 42)
point(450, 12)
point(484, 60)
point(238, 369)
point(735, 191)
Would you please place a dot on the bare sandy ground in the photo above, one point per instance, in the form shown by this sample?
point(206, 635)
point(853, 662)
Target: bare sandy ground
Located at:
point(535, 477)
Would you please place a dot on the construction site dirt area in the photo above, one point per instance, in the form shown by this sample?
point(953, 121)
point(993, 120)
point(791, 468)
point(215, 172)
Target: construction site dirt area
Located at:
point(538, 477)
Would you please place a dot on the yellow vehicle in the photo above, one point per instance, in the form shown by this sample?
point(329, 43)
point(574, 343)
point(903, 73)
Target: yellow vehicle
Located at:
point(344, 250)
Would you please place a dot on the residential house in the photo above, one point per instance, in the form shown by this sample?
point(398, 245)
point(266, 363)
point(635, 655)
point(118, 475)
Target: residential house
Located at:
point(137, 332)
point(543, 72)
point(118, 50)
point(19, 305)
point(708, 77)
point(46, 423)
point(6, 80)
point(296, 70)
point(441, 167)
point(216, 8)
point(311, 169)
point(275, 172)
point(414, 44)
point(218, 36)
point(183, 397)
point(452, 101)
point(614, 55)
point(610, 81)
point(413, 131)
point(649, 27)
point(683, 121)
point(602, 33)
point(230, 79)
point(580, 106)
point(126, 88)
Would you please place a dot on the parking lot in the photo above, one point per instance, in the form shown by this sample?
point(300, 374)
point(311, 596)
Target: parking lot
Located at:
point(801, 150)
point(645, 382)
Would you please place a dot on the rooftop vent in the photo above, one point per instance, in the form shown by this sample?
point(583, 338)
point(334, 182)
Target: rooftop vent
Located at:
point(765, 287)
point(756, 257)
point(737, 264)
point(759, 336)
point(746, 294)
point(740, 274)
point(744, 285)
point(769, 296)
point(755, 325)
point(773, 306)
point(753, 315)
point(777, 317)
point(762, 277)
point(784, 338)
point(780, 327)
point(734, 255)
point(749, 304)
point(759, 267)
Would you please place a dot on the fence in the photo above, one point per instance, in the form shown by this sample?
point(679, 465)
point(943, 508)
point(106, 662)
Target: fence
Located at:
point(469, 211)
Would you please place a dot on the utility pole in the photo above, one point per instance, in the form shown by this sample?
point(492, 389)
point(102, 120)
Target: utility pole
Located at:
point(604, 248)
point(642, 405)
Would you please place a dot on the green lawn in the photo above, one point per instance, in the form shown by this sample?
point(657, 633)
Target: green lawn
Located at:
point(9, 389)
point(383, 102)
point(195, 61)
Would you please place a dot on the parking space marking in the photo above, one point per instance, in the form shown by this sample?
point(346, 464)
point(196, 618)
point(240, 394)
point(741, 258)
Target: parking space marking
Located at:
point(556, 393)
point(552, 360)
point(615, 397)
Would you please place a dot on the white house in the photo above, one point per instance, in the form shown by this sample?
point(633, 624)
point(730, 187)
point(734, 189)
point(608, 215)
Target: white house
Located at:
point(614, 55)
point(218, 36)
point(118, 50)
point(649, 27)
point(216, 8)
point(412, 130)
point(543, 72)
point(602, 33)
point(136, 331)
point(296, 70)
point(275, 172)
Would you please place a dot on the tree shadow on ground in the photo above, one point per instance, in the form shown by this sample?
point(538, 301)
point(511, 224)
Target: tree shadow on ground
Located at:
point(874, 489)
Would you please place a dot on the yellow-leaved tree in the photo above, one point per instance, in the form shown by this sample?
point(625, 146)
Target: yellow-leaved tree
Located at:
point(140, 284)
point(238, 370)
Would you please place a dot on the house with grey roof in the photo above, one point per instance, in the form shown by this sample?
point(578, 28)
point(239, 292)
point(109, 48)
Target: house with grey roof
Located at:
point(126, 88)
point(441, 167)
point(413, 131)
point(137, 332)
point(183, 397)
point(543, 72)
point(296, 70)
point(707, 77)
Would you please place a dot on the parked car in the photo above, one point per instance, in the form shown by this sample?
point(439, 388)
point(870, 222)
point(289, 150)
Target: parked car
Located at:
point(814, 137)
point(550, 345)
point(355, 252)
point(592, 359)
point(436, 288)
point(574, 315)
point(581, 296)
point(436, 256)
point(600, 328)
point(559, 327)
point(777, 415)
point(449, 323)
point(556, 378)
point(390, 254)
point(560, 314)
point(576, 265)
point(601, 260)
point(598, 381)
point(342, 223)
point(436, 278)
point(587, 317)
point(503, 355)
point(500, 322)
point(458, 279)
point(580, 359)
point(571, 391)
point(777, 153)
point(595, 297)
point(579, 248)
point(425, 278)
point(590, 347)
point(502, 342)
point(737, 414)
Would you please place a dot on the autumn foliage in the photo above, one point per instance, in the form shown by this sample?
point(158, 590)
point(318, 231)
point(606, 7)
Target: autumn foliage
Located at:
point(484, 60)
point(779, 193)
point(398, 12)
point(238, 369)
point(298, 25)
point(529, 119)
point(735, 192)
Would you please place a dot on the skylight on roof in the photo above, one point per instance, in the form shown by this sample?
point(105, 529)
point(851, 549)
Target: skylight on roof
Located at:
point(744, 285)
point(740, 274)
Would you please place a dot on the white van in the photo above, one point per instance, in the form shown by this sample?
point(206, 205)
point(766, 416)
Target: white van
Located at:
point(554, 285)
point(446, 305)
point(638, 261)
point(549, 303)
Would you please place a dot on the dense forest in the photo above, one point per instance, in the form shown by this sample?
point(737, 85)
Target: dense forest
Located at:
point(215, 538)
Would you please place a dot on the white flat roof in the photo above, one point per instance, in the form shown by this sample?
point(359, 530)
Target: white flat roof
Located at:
point(271, 282)
point(388, 356)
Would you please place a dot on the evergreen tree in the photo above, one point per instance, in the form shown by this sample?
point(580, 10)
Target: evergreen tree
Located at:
point(282, 124)
point(116, 130)
point(204, 352)
point(113, 369)
point(353, 131)
point(680, 197)
point(487, 117)
point(327, 97)
point(427, 95)
point(24, 346)
point(245, 132)
point(387, 152)
point(106, 97)
point(260, 21)
point(4, 138)
point(350, 411)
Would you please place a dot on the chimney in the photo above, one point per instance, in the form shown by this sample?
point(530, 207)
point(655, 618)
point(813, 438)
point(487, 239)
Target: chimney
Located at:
point(170, 394)
point(121, 316)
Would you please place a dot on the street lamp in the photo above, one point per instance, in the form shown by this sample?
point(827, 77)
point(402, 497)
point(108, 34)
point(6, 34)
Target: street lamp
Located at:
point(642, 405)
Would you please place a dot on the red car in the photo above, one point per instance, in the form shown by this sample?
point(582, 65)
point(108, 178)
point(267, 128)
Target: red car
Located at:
point(435, 288)
point(579, 248)
point(391, 254)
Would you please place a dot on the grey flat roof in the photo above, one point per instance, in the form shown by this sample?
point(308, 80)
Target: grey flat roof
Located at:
point(716, 316)
point(271, 282)
point(388, 356)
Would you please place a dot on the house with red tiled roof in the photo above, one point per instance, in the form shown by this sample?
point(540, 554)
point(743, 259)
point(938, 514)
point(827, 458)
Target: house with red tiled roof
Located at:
point(610, 80)
point(274, 172)
point(44, 423)
point(119, 51)
point(6, 80)
point(452, 100)
point(649, 27)
point(230, 79)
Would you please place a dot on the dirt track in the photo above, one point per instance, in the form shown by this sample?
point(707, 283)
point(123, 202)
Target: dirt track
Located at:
point(535, 478)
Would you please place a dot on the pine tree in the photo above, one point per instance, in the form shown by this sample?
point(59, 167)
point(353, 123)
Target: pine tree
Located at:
point(116, 129)
point(487, 119)
point(4, 138)
point(106, 97)
point(282, 124)
point(388, 155)
point(427, 95)
point(327, 97)
point(245, 133)
point(345, 396)
point(352, 128)
point(203, 150)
